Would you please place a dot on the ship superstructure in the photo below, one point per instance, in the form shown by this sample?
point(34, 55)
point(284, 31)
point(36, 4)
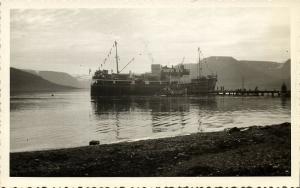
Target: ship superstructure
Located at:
point(162, 80)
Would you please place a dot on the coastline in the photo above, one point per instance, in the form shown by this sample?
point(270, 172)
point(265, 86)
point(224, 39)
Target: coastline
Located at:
point(252, 151)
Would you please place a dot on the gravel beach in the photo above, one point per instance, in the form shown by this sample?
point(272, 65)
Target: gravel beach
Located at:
point(253, 151)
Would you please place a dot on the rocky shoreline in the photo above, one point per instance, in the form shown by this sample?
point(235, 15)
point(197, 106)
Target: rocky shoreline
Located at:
point(253, 151)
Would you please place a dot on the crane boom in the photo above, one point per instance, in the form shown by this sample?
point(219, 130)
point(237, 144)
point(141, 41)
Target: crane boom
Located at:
point(127, 64)
point(182, 60)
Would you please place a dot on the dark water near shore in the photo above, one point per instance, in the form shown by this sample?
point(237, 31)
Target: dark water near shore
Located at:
point(69, 119)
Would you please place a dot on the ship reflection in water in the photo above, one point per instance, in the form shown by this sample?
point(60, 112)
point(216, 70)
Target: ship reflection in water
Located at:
point(161, 114)
point(69, 119)
point(129, 118)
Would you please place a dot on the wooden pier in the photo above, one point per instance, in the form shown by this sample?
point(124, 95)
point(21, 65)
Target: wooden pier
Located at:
point(273, 93)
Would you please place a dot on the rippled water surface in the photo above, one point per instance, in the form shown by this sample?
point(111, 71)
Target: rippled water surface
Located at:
point(40, 121)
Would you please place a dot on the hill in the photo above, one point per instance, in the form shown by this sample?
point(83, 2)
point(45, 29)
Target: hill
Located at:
point(231, 72)
point(60, 78)
point(21, 81)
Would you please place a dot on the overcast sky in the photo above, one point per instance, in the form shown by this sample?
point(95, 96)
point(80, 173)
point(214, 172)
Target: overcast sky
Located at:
point(74, 40)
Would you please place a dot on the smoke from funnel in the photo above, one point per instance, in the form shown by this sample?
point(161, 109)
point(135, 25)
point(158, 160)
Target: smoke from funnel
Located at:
point(150, 56)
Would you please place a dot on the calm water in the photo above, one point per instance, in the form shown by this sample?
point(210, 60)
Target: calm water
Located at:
point(67, 119)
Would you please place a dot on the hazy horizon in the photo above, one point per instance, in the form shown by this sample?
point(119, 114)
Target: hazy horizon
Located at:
point(74, 40)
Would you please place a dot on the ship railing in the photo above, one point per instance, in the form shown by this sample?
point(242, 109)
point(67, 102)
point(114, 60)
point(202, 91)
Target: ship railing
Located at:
point(98, 79)
point(212, 76)
point(131, 81)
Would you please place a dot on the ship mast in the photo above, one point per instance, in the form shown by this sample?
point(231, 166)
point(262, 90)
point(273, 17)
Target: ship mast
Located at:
point(199, 64)
point(117, 58)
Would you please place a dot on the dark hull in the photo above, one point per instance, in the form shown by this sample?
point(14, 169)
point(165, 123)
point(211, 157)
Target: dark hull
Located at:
point(115, 90)
point(202, 86)
point(107, 88)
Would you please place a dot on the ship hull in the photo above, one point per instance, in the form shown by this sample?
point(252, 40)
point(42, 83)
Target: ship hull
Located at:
point(123, 88)
point(201, 86)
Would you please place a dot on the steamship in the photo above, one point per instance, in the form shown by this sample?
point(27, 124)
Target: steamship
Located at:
point(163, 80)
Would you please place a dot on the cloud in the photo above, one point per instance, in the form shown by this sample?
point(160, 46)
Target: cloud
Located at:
point(62, 39)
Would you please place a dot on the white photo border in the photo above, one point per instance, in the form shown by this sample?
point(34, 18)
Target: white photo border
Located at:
point(7, 181)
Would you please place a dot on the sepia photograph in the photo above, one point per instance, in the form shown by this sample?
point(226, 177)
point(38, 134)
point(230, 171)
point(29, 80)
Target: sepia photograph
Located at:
point(150, 92)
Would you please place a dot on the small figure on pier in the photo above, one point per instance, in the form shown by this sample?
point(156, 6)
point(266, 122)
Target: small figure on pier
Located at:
point(284, 92)
point(283, 88)
point(256, 91)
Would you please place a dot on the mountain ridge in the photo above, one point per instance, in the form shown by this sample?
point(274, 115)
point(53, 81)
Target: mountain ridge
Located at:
point(232, 72)
point(22, 81)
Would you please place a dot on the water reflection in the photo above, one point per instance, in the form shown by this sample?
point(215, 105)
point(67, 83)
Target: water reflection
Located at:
point(169, 112)
point(163, 114)
point(126, 117)
point(103, 105)
point(285, 102)
point(38, 121)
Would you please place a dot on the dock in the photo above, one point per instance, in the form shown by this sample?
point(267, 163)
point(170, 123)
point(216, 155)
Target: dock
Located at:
point(273, 93)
